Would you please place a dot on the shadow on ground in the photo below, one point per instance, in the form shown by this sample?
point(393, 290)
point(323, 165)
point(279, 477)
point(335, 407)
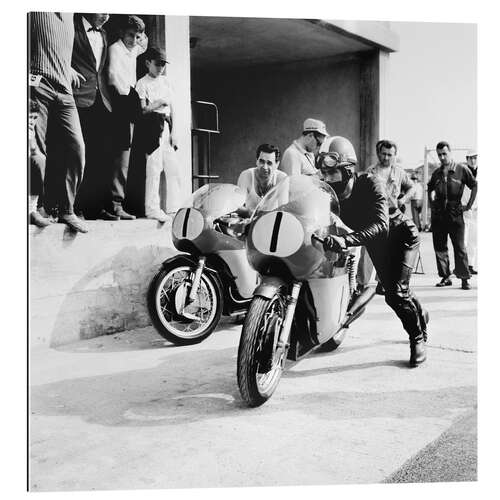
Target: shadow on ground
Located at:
point(193, 386)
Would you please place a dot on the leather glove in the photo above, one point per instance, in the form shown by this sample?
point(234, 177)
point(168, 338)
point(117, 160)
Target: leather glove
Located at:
point(335, 244)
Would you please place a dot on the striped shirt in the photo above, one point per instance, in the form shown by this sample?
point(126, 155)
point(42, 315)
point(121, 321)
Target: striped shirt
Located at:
point(51, 47)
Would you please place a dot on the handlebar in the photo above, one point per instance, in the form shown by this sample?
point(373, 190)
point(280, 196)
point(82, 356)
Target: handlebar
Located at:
point(317, 238)
point(322, 241)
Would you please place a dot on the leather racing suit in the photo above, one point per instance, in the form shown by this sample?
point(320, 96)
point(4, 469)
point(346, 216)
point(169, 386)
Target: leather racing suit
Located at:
point(392, 245)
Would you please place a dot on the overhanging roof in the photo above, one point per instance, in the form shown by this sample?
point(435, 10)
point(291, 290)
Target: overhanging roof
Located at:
point(225, 42)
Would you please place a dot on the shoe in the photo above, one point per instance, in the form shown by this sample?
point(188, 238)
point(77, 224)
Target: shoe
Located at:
point(105, 215)
point(444, 282)
point(39, 220)
point(160, 216)
point(380, 289)
point(74, 223)
point(465, 285)
point(122, 215)
point(418, 353)
point(472, 270)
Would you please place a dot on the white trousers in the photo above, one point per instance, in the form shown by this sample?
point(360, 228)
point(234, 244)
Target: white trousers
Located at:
point(470, 236)
point(162, 159)
point(32, 202)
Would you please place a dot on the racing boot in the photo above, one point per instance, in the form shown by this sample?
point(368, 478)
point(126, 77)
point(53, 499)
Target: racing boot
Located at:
point(418, 349)
point(418, 353)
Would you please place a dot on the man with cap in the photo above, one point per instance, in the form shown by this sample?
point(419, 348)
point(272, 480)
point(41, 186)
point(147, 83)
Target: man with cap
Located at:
point(470, 216)
point(299, 157)
point(444, 191)
point(158, 138)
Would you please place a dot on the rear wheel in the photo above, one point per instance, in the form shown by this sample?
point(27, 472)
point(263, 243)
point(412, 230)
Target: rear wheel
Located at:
point(260, 360)
point(176, 319)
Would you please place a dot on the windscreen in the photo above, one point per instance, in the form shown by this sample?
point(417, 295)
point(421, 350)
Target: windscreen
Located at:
point(216, 200)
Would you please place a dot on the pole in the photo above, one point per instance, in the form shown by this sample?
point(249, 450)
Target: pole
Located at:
point(425, 207)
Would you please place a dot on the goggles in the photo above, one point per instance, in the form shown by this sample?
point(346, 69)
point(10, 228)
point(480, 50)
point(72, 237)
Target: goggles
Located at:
point(333, 160)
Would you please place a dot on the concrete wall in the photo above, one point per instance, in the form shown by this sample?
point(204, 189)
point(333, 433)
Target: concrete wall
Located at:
point(86, 285)
point(179, 73)
point(269, 104)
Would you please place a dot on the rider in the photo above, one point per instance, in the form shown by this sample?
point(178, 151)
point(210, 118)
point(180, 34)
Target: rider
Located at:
point(392, 245)
point(258, 180)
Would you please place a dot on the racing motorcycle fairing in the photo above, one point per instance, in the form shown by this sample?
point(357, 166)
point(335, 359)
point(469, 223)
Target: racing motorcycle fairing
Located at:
point(284, 221)
point(193, 227)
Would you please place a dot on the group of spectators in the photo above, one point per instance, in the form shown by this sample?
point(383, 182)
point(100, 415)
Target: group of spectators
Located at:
point(84, 102)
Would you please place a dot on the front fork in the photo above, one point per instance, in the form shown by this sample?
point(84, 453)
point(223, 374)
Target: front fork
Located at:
point(286, 327)
point(196, 280)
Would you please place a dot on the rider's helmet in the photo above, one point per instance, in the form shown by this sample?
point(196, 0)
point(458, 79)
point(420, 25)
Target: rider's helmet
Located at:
point(337, 166)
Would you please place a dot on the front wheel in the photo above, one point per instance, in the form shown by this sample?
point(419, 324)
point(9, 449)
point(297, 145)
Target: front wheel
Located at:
point(174, 317)
point(260, 359)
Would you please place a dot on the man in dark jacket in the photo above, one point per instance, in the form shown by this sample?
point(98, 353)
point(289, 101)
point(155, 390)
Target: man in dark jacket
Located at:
point(90, 50)
point(393, 247)
point(444, 191)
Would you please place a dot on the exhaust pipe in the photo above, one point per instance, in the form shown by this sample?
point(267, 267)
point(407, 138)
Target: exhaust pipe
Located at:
point(358, 307)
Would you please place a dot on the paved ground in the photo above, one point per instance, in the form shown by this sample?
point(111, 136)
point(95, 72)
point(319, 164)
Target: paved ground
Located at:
point(131, 411)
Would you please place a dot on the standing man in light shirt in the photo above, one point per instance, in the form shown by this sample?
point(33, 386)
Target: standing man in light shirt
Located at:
point(399, 189)
point(416, 202)
point(300, 156)
point(470, 216)
point(126, 103)
point(90, 51)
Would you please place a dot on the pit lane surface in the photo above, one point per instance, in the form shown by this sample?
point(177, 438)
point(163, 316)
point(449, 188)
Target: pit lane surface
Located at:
point(132, 411)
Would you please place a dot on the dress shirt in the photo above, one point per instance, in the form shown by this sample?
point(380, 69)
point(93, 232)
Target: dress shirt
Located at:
point(95, 40)
point(122, 66)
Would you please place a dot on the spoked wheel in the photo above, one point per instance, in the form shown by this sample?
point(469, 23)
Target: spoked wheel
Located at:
point(260, 359)
point(176, 319)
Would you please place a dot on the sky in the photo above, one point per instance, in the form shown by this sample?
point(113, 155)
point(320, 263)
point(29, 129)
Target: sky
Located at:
point(432, 88)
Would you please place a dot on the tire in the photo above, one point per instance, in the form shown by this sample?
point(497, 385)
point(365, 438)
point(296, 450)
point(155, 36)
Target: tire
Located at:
point(165, 290)
point(260, 364)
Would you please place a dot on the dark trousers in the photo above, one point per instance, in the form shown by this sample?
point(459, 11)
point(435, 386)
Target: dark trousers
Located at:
point(61, 136)
point(394, 259)
point(122, 131)
point(95, 123)
point(36, 174)
point(446, 224)
point(416, 210)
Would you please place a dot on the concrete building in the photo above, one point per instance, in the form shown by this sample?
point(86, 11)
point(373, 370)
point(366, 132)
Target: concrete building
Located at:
point(265, 76)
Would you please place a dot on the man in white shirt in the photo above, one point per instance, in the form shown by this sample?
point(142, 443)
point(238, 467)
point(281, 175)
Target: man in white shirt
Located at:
point(122, 78)
point(470, 216)
point(299, 157)
point(416, 201)
point(258, 180)
point(157, 138)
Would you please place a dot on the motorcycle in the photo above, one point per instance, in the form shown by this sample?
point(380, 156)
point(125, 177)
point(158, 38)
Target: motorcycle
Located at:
point(192, 290)
point(306, 298)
